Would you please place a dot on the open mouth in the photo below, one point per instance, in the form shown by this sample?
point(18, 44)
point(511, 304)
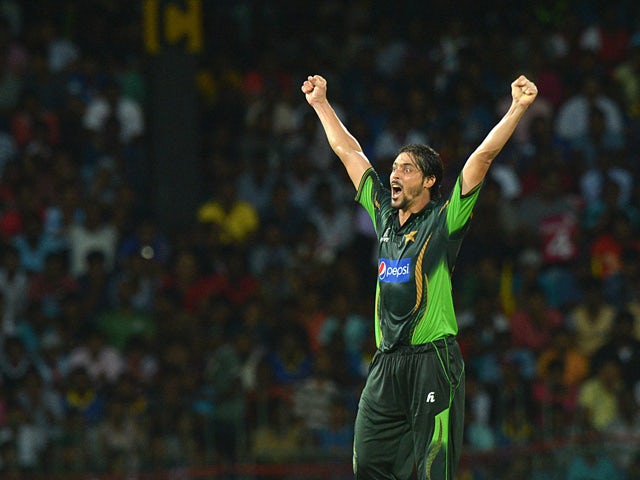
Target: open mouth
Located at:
point(396, 190)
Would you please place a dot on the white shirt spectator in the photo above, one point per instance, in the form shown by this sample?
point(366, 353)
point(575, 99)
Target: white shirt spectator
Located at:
point(83, 240)
point(335, 223)
point(127, 111)
point(106, 364)
point(93, 234)
point(31, 441)
point(573, 118)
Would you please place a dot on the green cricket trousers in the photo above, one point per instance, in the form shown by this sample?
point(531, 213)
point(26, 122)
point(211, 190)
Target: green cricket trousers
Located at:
point(410, 417)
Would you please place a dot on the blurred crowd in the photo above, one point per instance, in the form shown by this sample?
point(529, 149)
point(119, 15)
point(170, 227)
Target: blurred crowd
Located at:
point(125, 347)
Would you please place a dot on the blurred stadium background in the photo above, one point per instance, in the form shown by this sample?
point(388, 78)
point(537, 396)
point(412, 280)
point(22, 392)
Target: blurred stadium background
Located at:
point(186, 285)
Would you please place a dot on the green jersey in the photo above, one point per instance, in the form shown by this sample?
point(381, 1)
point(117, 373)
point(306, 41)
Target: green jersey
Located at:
point(414, 304)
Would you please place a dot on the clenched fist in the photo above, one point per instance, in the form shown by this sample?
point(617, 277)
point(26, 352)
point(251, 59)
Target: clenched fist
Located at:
point(315, 89)
point(523, 91)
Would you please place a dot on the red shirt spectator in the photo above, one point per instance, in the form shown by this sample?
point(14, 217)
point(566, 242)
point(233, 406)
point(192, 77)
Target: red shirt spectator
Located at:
point(29, 115)
point(533, 324)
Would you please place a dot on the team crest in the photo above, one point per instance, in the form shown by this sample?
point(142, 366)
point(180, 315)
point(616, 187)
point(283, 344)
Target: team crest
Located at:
point(410, 237)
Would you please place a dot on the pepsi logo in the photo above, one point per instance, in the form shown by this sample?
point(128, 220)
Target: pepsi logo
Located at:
point(381, 268)
point(394, 271)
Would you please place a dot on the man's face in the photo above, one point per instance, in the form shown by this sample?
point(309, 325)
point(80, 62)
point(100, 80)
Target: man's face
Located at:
point(408, 184)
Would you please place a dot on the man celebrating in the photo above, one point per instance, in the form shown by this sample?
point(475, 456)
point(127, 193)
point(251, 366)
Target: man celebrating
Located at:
point(411, 411)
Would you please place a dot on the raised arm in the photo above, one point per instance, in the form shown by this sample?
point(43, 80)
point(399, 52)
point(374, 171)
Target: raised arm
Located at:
point(345, 146)
point(523, 93)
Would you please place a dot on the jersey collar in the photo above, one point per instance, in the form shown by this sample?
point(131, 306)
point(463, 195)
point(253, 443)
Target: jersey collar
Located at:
point(426, 210)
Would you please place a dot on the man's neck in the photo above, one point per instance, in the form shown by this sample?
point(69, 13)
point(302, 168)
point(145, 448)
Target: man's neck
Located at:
point(403, 215)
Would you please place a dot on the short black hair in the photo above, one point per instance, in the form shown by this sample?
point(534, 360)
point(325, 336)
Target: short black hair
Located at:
point(429, 163)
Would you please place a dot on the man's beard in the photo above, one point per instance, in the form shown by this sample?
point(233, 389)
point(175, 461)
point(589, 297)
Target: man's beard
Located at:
point(407, 198)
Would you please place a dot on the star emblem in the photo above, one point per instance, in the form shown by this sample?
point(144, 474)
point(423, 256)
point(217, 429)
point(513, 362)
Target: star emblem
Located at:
point(410, 237)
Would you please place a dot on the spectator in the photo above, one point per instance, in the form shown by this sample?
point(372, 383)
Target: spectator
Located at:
point(397, 133)
point(61, 51)
point(607, 253)
point(391, 51)
point(473, 117)
point(50, 287)
point(272, 253)
point(542, 143)
point(234, 282)
point(592, 320)
point(96, 233)
point(310, 138)
point(336, 439)
point(172, 422)
point(111, 103)
point(289, 360)
point(80, 396)
point(622, 347)
point(284, 212)
point(599, 213)
point(29, 115)
point(65, 211)
point(491, 333)
point(123, 322)
point(35, 244)
point(479, 432)
point(514, 409)
point(94, 285)
point(535, 323)
point(120, 440)
point(551, 217)
point(592, 464)
point(607, 167)
point(281, 439)
point(43, 403)
point(573, 116)
point(188, 281)
point(625, 75)
point(598, 396)
point(146, 277)
point(501, 221)
point(236, 220)
point(608, 38)
point(334, 222)
point(349, 328)
point(146, 240)
point(314, 396)
point(11, 79)
point(15, 363)
point(555, 401)
point(102, 362)
point(141, 364)
point(597, 141)
point(28, 439)
point(14, 289)
point(623, 431)
point(54, 366)
point(71, 454)
point(223, 376)
point(301, 177)
point(256, 181)
point(562, 351)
